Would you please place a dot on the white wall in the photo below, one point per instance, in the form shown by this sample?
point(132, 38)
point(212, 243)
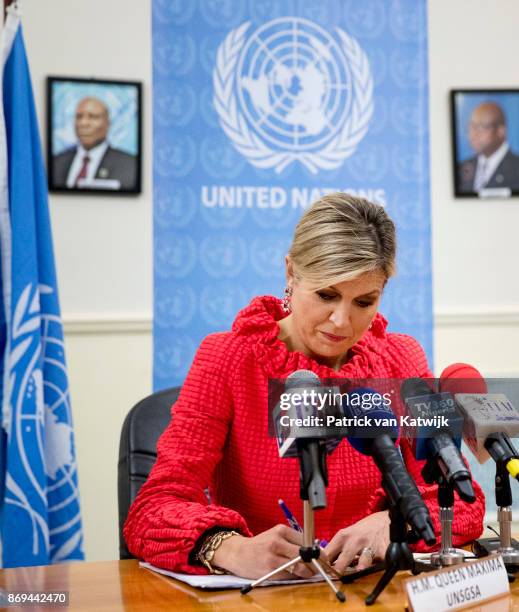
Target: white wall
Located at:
point(109, 371)
point(472, 43)
point(103, 249)
point(103, 245)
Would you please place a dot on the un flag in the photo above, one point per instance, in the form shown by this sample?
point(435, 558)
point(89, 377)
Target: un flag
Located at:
point(40, 518)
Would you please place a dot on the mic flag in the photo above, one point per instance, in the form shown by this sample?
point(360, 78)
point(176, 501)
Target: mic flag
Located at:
point(429, 414)
point(302, 412)
point(490, 418)
point(435, 434)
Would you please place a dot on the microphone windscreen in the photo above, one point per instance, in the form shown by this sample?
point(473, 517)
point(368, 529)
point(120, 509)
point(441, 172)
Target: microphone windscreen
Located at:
point(462, 378)
point(302, 378)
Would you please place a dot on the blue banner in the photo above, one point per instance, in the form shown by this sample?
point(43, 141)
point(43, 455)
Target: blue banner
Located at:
point(259, 109)
point(40, 519)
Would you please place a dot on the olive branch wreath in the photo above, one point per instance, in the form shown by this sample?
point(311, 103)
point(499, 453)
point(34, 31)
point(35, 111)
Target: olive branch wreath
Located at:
point(251, 146)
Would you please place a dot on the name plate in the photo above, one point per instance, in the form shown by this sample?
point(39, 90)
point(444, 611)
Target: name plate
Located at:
point(459, 586)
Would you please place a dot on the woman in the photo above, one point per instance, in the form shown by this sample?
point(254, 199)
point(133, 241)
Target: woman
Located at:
point(341, 257)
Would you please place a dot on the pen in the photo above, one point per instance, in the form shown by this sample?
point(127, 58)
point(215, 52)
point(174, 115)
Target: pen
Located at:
point(292, 521)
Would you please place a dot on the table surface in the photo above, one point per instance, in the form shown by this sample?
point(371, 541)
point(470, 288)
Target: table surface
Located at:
point(123, 585)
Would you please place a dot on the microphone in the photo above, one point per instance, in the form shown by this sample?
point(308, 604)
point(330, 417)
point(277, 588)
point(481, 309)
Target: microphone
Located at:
point(434, 432)
point(400, 488)
point(462, 378)
point(490, 418)
point(300, 417)
point(301, 413)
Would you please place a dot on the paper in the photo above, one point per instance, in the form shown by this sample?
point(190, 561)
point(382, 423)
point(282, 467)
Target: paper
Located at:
point(227, 581)
point(224, 581)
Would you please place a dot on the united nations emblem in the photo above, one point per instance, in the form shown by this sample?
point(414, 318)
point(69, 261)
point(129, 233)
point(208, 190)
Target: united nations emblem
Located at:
point(41, 482)
point(293, 92)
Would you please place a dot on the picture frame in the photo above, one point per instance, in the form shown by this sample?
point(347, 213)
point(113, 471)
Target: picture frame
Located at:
point(94, 136)
point(485, 142)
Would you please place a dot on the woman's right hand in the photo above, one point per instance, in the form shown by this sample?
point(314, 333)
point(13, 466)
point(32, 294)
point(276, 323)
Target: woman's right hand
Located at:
point(254, 557)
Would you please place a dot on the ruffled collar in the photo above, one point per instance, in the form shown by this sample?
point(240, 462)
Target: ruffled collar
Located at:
point(258, 323)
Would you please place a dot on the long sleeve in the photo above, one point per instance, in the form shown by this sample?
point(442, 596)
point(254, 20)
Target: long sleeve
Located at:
point(171, 510)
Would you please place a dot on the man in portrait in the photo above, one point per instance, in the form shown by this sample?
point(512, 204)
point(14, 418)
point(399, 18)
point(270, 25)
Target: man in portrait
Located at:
point(92, 163)
point(494, 165)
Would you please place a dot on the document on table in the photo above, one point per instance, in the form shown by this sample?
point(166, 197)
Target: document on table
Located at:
point(227, 581)
point(223, 581)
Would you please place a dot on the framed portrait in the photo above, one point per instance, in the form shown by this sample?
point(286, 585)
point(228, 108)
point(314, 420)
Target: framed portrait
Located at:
point(485, 141)
point(94, 136)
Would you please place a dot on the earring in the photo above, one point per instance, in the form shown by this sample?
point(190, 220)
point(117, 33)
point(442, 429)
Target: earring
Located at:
point(370, 325)
point(286, 305)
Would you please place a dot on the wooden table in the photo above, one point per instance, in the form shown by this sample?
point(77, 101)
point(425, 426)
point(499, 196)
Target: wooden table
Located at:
point(122, 585)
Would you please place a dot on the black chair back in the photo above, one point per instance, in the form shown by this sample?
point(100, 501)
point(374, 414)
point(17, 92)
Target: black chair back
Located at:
point(141, 430)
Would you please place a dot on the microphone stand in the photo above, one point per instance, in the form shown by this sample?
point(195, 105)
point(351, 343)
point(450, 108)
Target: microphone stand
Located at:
point(398, 554)
point(504, 516)
point(447, 555)
point(313, 480)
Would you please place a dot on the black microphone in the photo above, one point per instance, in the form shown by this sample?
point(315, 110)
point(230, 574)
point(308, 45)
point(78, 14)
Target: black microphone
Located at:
point(434, 428)
point(378, 441)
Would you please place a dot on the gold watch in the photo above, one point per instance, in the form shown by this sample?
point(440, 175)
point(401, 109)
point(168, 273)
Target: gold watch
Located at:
point(210, 546)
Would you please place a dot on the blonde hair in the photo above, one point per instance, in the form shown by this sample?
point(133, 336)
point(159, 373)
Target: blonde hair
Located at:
point(341, 237)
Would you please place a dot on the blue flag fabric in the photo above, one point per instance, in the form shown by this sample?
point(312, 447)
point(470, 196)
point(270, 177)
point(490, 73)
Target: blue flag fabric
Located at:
point(40, 510)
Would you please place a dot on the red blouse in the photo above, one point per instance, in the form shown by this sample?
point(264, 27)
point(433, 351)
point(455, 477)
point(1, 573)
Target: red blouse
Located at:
point(218, 438)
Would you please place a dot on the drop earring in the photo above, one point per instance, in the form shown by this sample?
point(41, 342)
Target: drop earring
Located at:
point(286, 304)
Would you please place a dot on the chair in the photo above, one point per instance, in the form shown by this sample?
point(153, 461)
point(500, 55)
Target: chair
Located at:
point(141, 430)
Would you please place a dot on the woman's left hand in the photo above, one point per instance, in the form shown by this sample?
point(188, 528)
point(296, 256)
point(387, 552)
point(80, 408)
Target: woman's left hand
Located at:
point(368, 539)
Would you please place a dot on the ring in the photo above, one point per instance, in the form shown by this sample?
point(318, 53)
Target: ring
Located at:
point(369, 551)
point(291, 569)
